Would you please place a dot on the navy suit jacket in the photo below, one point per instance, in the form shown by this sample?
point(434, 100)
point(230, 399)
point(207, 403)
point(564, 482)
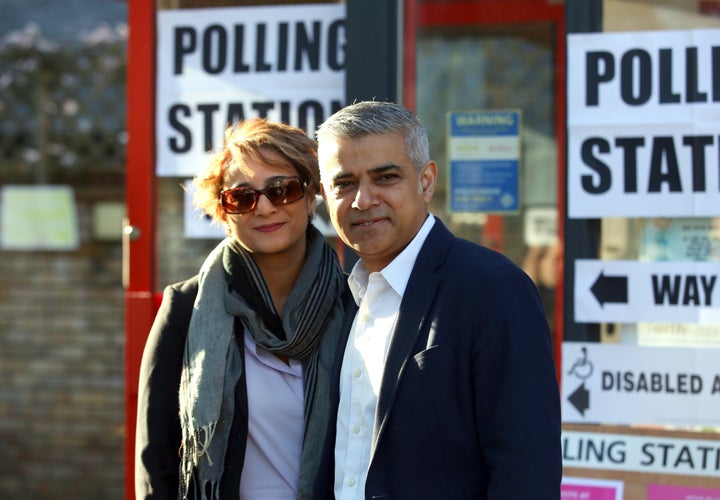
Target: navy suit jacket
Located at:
point(469, 404)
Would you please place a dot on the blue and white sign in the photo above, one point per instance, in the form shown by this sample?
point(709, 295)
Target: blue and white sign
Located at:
point(484, 161)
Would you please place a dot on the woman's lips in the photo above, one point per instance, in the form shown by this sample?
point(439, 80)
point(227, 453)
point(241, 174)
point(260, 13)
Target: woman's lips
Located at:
point(268, 228)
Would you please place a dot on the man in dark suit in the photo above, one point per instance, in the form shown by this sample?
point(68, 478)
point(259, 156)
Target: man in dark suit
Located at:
point(445, 386)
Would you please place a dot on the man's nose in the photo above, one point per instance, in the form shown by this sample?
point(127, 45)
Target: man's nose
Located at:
point(365, 196)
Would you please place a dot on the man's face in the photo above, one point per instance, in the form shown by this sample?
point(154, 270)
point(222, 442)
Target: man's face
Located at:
point(375, 197)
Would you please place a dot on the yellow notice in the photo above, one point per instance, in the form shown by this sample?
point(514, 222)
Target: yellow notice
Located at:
point(41, 217)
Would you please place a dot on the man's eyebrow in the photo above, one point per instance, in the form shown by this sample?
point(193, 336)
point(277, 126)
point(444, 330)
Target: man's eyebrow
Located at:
point(342, 176)
point(382, 169)
point(375, 171)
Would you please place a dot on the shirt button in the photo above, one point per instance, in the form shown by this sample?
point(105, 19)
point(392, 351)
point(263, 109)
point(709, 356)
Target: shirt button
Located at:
point(356, 428)
point(366, 318)
point(357, 373)
point(351, 482)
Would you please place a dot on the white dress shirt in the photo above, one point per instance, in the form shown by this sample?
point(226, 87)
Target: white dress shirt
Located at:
point(378, 297)
point(275, 425)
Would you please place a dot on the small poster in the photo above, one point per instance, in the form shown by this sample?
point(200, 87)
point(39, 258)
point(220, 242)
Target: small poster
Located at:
point(38, 217)
point(670, 492)
point(576, 488)
point(484, 160)
point(681, 239)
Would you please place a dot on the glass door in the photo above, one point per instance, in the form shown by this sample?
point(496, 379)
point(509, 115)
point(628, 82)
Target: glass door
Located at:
point(485, 58)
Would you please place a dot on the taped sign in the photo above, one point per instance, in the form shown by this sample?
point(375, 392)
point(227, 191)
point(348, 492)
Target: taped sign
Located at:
point(217, 66)
point(630, 291)
point(652, 385)
point(643, 115)
point(647, 454)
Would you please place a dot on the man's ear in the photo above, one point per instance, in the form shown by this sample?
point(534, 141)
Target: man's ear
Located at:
point(428, 179)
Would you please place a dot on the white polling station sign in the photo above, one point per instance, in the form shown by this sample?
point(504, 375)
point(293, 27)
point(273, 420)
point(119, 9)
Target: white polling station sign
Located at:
point(626, 385)
point(643, 116)
point(638, 453)
point(629, 291)
point(216, 66)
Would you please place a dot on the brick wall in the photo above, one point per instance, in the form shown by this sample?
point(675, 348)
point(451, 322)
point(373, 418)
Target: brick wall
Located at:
point(61, 373)
point(62, 411)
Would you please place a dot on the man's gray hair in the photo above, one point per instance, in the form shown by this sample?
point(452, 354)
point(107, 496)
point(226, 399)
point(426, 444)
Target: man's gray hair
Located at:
point(372, 117)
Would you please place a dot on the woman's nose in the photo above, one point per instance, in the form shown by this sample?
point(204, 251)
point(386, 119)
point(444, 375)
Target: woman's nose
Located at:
point(263, 205)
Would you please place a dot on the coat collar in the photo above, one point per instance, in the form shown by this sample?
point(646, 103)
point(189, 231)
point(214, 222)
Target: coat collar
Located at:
point(421, 288)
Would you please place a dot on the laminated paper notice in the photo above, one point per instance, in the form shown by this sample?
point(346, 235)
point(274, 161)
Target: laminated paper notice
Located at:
point(41, 217)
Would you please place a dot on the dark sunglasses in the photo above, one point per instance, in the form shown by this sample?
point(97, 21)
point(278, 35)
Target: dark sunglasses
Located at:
point(281, 191)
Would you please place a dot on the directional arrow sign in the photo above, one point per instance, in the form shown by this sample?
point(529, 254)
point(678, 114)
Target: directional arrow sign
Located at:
point(610, 291)
point(628, 384)
point(580, 399)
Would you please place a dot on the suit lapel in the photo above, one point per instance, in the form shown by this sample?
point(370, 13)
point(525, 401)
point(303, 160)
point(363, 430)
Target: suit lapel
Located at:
point(420, 290)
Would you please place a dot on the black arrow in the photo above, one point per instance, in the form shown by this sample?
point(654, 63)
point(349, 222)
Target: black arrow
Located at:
point(580, 399)
point(610, 289)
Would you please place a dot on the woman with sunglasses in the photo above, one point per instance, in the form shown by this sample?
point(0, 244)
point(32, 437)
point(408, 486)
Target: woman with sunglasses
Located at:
point(234, 379)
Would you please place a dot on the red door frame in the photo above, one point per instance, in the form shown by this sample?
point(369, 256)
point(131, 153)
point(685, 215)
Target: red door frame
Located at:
point(464, 13)
point(139, 232)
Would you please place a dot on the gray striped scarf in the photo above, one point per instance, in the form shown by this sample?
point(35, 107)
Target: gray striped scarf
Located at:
point(311, 321)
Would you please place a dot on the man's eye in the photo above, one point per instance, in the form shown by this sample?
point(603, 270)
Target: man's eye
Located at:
point(343, 186)
point(387, 178)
